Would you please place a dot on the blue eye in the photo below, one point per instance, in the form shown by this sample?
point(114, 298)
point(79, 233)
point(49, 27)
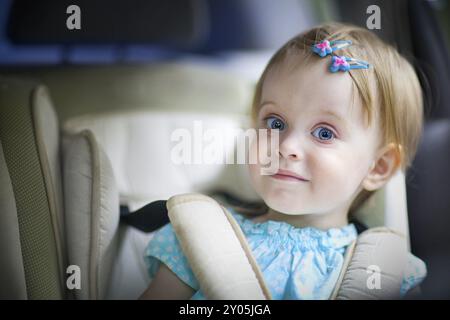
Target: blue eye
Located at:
point(323, 133)
point(275, 123)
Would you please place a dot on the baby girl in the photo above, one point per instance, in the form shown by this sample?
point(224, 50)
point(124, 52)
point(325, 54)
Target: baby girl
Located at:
point(347, 108)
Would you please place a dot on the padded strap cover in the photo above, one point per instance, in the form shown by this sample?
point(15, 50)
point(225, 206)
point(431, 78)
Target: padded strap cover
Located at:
point(374, 266)
point(216, 249)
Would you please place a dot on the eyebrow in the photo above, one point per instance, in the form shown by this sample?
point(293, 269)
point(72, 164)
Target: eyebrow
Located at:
point(332, 114)
point(320, 111)
point(264, 103)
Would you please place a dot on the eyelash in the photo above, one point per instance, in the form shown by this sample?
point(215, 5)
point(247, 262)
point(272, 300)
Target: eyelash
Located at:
point(320, 126)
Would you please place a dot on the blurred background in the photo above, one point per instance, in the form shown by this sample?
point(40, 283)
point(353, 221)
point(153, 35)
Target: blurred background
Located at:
point(138, 69)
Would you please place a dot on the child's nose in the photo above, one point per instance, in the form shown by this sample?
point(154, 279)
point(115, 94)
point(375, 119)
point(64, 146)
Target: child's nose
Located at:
point(290, 147)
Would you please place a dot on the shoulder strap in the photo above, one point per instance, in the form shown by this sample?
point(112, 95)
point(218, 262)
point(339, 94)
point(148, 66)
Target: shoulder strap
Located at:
point(373, 266)
point(216, 248)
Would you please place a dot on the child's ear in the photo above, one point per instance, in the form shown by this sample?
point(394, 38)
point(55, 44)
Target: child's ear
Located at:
point(383, 168)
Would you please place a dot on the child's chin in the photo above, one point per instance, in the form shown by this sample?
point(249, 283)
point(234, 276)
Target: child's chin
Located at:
point(285, 207)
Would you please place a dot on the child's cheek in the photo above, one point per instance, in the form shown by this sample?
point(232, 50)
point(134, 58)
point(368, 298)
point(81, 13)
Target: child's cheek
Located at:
point(340, 175)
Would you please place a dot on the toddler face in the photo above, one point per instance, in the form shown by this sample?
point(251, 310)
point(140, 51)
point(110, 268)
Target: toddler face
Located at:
point(323, 139)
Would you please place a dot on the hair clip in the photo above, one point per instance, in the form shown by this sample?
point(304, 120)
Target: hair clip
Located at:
point(342, 63)
point(338, 63)
point(326, 47)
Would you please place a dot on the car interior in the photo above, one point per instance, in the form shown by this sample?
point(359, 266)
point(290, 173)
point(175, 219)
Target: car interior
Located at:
point(87, 121)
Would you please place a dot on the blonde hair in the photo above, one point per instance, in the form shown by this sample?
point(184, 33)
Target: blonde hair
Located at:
point(389, 89)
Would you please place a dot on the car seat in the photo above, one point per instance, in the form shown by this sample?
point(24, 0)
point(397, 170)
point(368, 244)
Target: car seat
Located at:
point(59, 202)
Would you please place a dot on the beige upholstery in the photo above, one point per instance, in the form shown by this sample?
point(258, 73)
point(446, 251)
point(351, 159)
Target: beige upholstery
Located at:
point(129, 274)
point(376, 250)
point(46, 128)
point(201, 86)
point(91, 209)
point(11, 265)
point(26, 121)
point(387, 207)
point(139, 146)
point(33, 228)
point(214, 244)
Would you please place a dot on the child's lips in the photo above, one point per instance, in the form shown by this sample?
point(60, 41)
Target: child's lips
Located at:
point(288, 176)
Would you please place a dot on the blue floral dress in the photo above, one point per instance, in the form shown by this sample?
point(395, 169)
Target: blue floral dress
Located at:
point(297, 263)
